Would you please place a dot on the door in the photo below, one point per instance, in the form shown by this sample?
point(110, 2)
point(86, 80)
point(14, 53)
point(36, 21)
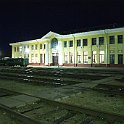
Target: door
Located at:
point(55, 59)
point(112, 59)
point(120, 58)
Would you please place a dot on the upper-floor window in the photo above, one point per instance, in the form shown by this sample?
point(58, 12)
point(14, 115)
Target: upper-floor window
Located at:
point(101, 40)
point(78, 42)
point(14, 49)
point(71, 43)
point(32, 47)
point(54, 43)
point(35, 46)
point(120, 38)
point(85, 42)
point(17, 49)
point(40, 46)
point(65, 43)
point(93, 41)
point(111, 39)
point(44, 46)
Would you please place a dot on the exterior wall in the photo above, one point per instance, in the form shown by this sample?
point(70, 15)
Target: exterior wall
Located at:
point(73, 56)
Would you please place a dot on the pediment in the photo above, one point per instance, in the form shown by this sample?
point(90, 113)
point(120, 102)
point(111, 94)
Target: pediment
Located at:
point(51, 35)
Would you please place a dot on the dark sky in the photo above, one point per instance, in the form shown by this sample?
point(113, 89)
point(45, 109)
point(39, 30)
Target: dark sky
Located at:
point(30, 19)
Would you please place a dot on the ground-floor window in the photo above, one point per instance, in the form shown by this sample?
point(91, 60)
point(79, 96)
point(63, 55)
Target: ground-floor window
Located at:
point(79, 58)
point(94, 57)
point(66, 58)
point(112, 58)
point(32, 58)
point(120, 58)
point(36, 58)
point(102, 57)
point(71, 57)
point(44, 58)
point(85, 57)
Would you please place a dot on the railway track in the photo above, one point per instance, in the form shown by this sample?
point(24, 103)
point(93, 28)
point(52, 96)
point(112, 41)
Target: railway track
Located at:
point(44, 111)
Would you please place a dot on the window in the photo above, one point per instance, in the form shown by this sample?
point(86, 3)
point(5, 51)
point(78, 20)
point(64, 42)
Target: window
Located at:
point(71, 57)
point(94, 57)
point(120, 39)
point(20, 48)
point(35, 46)
point(78, 42)
point(66, 58)
point(36, 58)
point(44, 46)
point(79, 58)
point(101, 40)
point(17, 49)
point(102, 57)
point(120, 58)
point(84, 42)
point(54, 43)
point(111, 39)
point(32, 47)
point(85, 57)
point(40, 46)
point(93, 41)
point(112, 58)
point(14, 49)
point(65, 43)
point(32, 58)
point(71, 43)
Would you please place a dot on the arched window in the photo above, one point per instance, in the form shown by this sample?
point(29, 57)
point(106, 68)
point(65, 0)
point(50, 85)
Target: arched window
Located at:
point(54, 43)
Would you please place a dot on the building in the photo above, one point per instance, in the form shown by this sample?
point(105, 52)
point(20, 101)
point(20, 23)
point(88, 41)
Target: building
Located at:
point(93, 48)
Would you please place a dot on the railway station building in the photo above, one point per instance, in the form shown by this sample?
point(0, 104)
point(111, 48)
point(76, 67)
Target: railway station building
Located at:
point(102, 48)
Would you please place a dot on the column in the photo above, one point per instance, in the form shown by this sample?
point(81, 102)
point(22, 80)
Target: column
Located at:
point(47, 54)
point(60, 51)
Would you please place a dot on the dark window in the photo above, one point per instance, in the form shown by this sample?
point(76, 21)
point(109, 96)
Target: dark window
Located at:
point(44, 46)
point(120, 38)
point(111, 39)
point(112, 59)
point(101, 40)
point(36, 47)
point(40, 46)
point(15, 49)
point(65, 43)
point(41, 58)
point(84, 42)
point(32, 47)
point(93, 41)
point(71, 43)
point(78, 42)
point(120, 58)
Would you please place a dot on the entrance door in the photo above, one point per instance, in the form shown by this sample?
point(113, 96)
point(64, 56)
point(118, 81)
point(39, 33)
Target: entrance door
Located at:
point(120, 58)
point(55, 59)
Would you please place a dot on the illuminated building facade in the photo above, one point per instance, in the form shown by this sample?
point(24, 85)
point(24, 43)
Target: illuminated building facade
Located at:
point(93, 48)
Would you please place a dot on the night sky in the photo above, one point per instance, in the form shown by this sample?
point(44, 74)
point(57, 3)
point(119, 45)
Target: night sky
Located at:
point(30, 19)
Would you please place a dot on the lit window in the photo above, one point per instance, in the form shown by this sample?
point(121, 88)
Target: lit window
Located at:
point(79, 58)
point(111, 39)
point(71, 57)
point(85, 57)
point(94, 57)
point(66, 57)
point(102, 57)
